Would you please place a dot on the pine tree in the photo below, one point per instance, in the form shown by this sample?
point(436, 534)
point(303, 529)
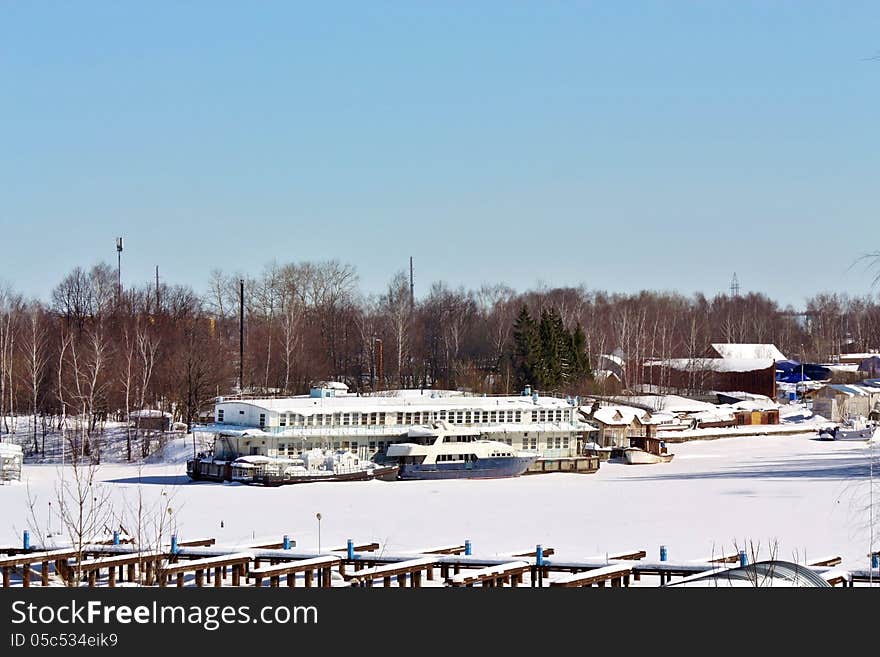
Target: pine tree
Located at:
point(552, 362)
point(580, 369)
point(526, 349)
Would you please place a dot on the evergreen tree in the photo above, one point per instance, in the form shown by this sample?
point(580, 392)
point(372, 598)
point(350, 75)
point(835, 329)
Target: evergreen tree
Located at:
point(526, 349)
point(552, 363)
point(581, 361)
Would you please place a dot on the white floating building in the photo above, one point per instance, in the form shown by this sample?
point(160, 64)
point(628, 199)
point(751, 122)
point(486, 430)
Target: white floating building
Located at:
point(331, 417)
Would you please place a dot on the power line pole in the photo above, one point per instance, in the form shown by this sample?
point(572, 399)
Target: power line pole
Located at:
point(412, 296)
point(118, 269)
point(241, 337)
point(157, 289)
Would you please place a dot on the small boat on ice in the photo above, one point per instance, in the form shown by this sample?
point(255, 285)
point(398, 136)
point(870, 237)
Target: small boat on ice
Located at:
point(855, 431)
point(646, 450)
point(442, 452)
point(637, 456)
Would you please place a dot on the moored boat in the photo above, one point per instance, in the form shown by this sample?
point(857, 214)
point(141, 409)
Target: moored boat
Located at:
point(313, 466)
point(441, 452)
point(637, 456)
point(644, 450)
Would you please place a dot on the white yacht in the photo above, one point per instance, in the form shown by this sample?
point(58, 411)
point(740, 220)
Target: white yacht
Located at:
point(439, 451)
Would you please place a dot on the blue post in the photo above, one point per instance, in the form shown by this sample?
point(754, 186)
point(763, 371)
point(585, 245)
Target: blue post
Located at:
point(743, 558)
point(349, 546)
point(286, 542)
point(26, 540)
point(173, 543)
point(539, 555)
point(467, 547)
point(875, 560)
point(115, 537)
point(662, 553)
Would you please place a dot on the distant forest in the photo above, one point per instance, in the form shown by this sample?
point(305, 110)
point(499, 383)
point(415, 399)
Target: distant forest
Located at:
point(93, 351)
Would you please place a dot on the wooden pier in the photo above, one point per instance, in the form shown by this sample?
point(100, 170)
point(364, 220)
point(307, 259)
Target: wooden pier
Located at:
point(201, 562)
point(578, 464)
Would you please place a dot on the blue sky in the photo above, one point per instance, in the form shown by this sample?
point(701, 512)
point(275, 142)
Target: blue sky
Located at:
point(658, 145)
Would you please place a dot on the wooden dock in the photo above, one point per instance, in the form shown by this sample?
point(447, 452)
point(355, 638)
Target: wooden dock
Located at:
point(201, 562)
point(577, 464)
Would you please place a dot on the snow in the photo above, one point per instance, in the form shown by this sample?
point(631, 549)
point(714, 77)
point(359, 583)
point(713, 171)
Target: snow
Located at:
point(400, 401)
point(10, 450)
point(756, 405)
point(619, 415)
point(149, 412)
point(713, 364)
point(808, 495)
point(669, 403)
point(747, 351)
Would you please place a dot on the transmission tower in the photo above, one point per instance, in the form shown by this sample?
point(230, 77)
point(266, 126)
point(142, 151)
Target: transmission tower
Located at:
point(734, 286)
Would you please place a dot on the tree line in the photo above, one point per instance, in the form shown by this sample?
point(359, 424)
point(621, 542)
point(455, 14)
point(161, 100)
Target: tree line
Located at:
point(93, 352)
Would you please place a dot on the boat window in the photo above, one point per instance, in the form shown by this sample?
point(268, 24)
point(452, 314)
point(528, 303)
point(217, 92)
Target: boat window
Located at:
point(220, 415)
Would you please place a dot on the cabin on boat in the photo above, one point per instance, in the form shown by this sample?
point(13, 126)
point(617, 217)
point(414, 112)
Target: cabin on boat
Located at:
point(650, 444)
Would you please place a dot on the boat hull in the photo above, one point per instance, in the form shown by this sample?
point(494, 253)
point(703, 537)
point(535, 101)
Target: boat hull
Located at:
point(635, 456)
point(491, 468)
point(201, 470)
point(385, 473)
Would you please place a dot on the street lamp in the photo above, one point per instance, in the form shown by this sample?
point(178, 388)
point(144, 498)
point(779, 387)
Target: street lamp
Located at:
point(49, 523)
point(318, 516)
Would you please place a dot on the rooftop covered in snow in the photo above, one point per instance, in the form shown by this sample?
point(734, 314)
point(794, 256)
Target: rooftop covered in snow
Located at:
point(713, 364)
point(410, 400)
point(749, 351)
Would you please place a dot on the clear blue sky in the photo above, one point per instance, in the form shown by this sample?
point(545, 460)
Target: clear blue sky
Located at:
point(622, 145)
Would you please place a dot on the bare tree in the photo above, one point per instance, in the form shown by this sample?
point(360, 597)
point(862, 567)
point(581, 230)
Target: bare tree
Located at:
point(85, 509)
point(396, 307)
point(10, 312)
point(36, 358)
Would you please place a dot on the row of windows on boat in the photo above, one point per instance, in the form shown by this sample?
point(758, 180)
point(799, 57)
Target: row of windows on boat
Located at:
point(419, 417)
point(447, 458)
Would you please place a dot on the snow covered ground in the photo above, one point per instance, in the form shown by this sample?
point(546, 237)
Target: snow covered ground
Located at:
point(808, 497)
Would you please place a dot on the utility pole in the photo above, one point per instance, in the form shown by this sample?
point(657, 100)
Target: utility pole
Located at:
point(381, 368)
point(157, 289)
point(118, 269)
point(241, 337)
point(412, 296)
